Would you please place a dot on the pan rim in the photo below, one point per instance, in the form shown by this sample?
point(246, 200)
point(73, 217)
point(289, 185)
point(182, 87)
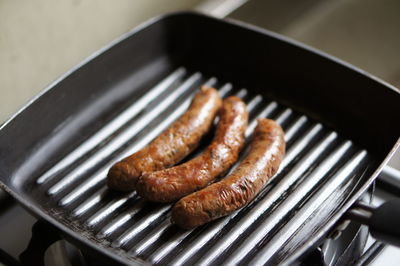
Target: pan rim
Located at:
point(43, 214)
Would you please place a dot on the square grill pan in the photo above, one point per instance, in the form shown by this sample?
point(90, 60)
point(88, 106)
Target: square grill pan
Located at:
point(341, 125)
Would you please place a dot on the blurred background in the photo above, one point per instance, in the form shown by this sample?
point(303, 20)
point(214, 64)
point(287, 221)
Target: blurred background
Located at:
point(41, 40)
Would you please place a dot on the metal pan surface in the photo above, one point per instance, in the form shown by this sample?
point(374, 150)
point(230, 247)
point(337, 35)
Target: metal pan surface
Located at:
point(341, 127)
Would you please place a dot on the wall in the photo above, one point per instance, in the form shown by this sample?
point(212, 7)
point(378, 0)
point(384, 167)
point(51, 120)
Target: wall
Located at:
point(42, 39)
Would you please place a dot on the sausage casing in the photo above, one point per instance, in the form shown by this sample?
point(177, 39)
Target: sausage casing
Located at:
point(239, 188)
point(172, 145)
point(173, 183)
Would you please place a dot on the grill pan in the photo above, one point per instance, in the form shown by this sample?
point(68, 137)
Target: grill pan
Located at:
point(341, 128)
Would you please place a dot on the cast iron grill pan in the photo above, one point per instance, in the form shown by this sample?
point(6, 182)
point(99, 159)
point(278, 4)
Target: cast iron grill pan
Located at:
point(318, 162)
point(322, 170)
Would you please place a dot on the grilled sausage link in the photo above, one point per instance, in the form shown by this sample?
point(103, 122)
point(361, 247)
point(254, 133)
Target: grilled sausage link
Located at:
point(239, 188)
point(171, 146)
point(173, 183)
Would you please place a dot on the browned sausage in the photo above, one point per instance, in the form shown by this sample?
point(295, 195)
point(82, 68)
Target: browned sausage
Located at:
point(171, 146)
point(173, 183)
point(239, 188)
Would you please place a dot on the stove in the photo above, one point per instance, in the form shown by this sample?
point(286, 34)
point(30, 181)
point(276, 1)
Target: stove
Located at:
point(354, 245)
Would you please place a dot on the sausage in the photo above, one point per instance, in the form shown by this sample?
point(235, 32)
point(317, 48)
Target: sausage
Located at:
point(172, 145)
point(238, 189)
point(173, 183)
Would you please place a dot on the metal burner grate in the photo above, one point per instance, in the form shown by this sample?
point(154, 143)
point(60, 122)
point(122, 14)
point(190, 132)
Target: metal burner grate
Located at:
point(318, 162)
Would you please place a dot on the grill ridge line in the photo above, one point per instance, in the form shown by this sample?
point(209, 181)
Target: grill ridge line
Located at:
point(107, 210)
point(164, 250)
point(272, 196)
point(92, 200)
point(122, 138)
point(320, 196)
point(213, 230)
point(109, 228)
point(121, 219)
point(293, 151)
point(264, 112)
point(140, 227)
point(115, 203)
point(100, 194)
point(111, 127)
point(289, 203)
point(100, 175)
point(161, 252)
point(106, 231)
point(224, 90)
point(256, 99)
